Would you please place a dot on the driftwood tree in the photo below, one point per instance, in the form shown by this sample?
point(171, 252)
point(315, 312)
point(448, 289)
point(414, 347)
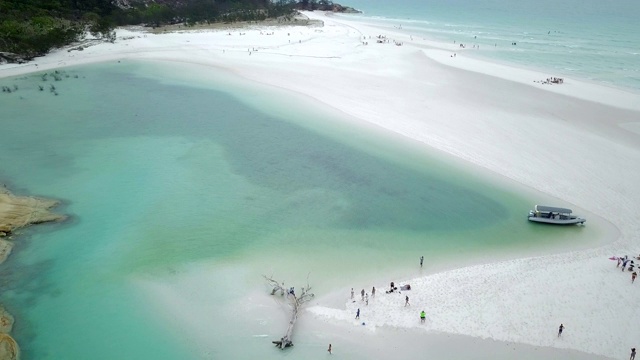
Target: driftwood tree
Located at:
point(295, 302)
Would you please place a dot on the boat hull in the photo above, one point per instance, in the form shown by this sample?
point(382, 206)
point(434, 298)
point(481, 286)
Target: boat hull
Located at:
point(572, 221)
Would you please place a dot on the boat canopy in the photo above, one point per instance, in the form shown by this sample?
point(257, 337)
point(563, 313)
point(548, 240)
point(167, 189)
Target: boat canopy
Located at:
point(543, 208)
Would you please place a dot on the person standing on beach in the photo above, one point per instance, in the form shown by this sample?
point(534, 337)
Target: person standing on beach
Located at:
point(351, 293)
point(358, 314)
point(421, 260)
point(560, 330)
point(329, 349)
point(373, 292)
point(423, 316)
point(362, 294)
point(366, 299)
point(619, 262)
point(633, 354)
point(406, 300)
point(633, 276)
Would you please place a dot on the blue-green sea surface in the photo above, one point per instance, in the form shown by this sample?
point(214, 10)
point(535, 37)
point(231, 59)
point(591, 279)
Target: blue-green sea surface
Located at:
point(157, 175)
point(592, 40)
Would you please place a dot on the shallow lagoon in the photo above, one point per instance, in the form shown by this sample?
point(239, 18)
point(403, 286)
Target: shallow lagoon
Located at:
point(161, 176)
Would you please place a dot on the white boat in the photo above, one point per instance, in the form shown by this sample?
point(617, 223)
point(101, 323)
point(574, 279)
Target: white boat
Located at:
point(554, 215)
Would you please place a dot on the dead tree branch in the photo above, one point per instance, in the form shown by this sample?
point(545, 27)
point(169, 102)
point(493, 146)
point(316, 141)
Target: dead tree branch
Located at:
point(295, 302)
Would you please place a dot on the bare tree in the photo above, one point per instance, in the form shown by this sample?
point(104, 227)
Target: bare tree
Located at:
point(295, 302)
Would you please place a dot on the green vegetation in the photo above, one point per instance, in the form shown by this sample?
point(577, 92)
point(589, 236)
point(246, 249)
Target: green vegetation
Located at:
point(30, 28)
point(197, 11)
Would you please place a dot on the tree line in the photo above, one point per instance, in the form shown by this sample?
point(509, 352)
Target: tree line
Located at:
point(30, 28)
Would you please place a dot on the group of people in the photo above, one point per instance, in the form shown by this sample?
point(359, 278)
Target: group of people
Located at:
point(551, 80)
point(625, 263)
point(382, 39)
point(394, 288)
point(364, 296)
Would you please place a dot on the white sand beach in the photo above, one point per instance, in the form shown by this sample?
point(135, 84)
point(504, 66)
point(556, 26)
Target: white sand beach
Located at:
point(576, 142)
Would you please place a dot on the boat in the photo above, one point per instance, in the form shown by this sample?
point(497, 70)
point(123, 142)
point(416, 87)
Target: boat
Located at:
point(554, 215)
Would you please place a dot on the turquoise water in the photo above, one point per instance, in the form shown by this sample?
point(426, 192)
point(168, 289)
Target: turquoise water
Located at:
point(158, 176)
point(593, 40)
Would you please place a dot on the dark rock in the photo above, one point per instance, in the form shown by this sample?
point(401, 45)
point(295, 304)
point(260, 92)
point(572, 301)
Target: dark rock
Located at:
point(345, 9)
point(325, 5)
point(7, 57)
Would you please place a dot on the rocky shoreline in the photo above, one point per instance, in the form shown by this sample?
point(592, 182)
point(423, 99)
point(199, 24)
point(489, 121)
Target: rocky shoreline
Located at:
point(18, 212)
point(328, 6)
point(11, 58)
